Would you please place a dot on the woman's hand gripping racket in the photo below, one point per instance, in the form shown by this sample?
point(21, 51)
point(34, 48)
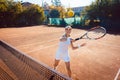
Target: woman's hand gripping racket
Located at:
point(93, 34)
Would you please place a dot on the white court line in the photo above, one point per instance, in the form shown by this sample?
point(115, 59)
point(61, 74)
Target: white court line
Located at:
point(44, 47)
point(56, 44)
point(118, 73)
point(41, 48)
point(90, 51)
point(42, 42)
point(16, 35)
point(115, 46)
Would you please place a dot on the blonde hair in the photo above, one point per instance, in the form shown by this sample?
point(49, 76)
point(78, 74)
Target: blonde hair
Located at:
point(68, 27)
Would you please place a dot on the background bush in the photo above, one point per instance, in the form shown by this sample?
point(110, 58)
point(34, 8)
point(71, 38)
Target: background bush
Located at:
point(15, 14)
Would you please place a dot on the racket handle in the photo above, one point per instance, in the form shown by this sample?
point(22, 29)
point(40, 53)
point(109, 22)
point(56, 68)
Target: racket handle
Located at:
point(77, 39)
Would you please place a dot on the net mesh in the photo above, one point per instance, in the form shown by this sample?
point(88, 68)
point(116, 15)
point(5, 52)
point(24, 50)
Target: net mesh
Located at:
point(18, 66)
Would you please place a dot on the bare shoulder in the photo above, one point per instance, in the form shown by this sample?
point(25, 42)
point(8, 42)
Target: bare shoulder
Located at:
point(63, 38)
point(71, 39)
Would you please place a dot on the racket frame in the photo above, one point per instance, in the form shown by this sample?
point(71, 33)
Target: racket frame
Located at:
point(85, 35)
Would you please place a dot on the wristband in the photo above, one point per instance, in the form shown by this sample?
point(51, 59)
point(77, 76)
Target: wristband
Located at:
point(78, 46)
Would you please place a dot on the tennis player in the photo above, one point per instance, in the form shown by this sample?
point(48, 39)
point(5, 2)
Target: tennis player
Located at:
point(62, 52)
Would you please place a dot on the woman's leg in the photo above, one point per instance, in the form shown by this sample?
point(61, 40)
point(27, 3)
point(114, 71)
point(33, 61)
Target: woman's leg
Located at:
point(56, 63)
point(68, 68)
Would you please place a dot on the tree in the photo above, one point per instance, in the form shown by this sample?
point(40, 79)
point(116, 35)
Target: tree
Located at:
point(32, 15)
point(115, 11)
point(3, 6)
point(15, 14)
point(105, 10)
point(54, 13)
point(3, 9)
point(98, 9)
point(61, 11)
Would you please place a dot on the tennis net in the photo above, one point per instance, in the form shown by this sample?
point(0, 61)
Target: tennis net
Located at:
point(16, 65)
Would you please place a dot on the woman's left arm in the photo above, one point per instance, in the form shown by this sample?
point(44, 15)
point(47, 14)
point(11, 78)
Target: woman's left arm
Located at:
point(73, 47)
point(76, 47)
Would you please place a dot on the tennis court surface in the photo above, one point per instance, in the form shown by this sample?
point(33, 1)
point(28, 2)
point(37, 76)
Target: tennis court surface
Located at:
point(15, 65)
point(98, 60)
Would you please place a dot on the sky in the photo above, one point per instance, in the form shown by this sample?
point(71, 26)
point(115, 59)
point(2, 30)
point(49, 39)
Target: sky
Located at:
point(65, 3)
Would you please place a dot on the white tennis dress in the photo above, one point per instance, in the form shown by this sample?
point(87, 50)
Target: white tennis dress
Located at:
point(62, 52)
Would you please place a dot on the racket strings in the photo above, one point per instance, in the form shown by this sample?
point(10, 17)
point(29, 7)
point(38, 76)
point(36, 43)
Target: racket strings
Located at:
point(96, 33)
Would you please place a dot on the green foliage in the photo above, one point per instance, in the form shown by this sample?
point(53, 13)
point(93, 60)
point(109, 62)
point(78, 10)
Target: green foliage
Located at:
point(115, 11)
point(106, 10)
point(3, 5)
point(14, 14)
point(62, 22)
point(103, 9)
point(32, 15)
point(54, 13)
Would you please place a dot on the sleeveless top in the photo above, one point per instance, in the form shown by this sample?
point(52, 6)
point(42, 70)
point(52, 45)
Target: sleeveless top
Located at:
point(63, 45)
point(62, 52)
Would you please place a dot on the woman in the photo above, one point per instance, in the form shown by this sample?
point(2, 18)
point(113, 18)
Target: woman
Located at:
point(62, 52)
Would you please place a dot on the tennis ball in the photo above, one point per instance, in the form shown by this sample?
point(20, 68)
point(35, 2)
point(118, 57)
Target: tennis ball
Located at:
point(70, 13)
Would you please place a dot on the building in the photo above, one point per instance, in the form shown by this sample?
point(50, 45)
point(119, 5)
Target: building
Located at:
point(26, 4)
point(77, 10)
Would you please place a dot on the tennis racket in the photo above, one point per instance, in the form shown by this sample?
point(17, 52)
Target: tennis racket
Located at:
point(93, 33)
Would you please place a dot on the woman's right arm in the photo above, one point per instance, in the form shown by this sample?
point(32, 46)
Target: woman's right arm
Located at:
point(63, 38)
point(76, 47)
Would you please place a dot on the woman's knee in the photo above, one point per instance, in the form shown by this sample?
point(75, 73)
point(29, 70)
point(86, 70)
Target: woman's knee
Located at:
point(56, 62)
point(68, 66)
